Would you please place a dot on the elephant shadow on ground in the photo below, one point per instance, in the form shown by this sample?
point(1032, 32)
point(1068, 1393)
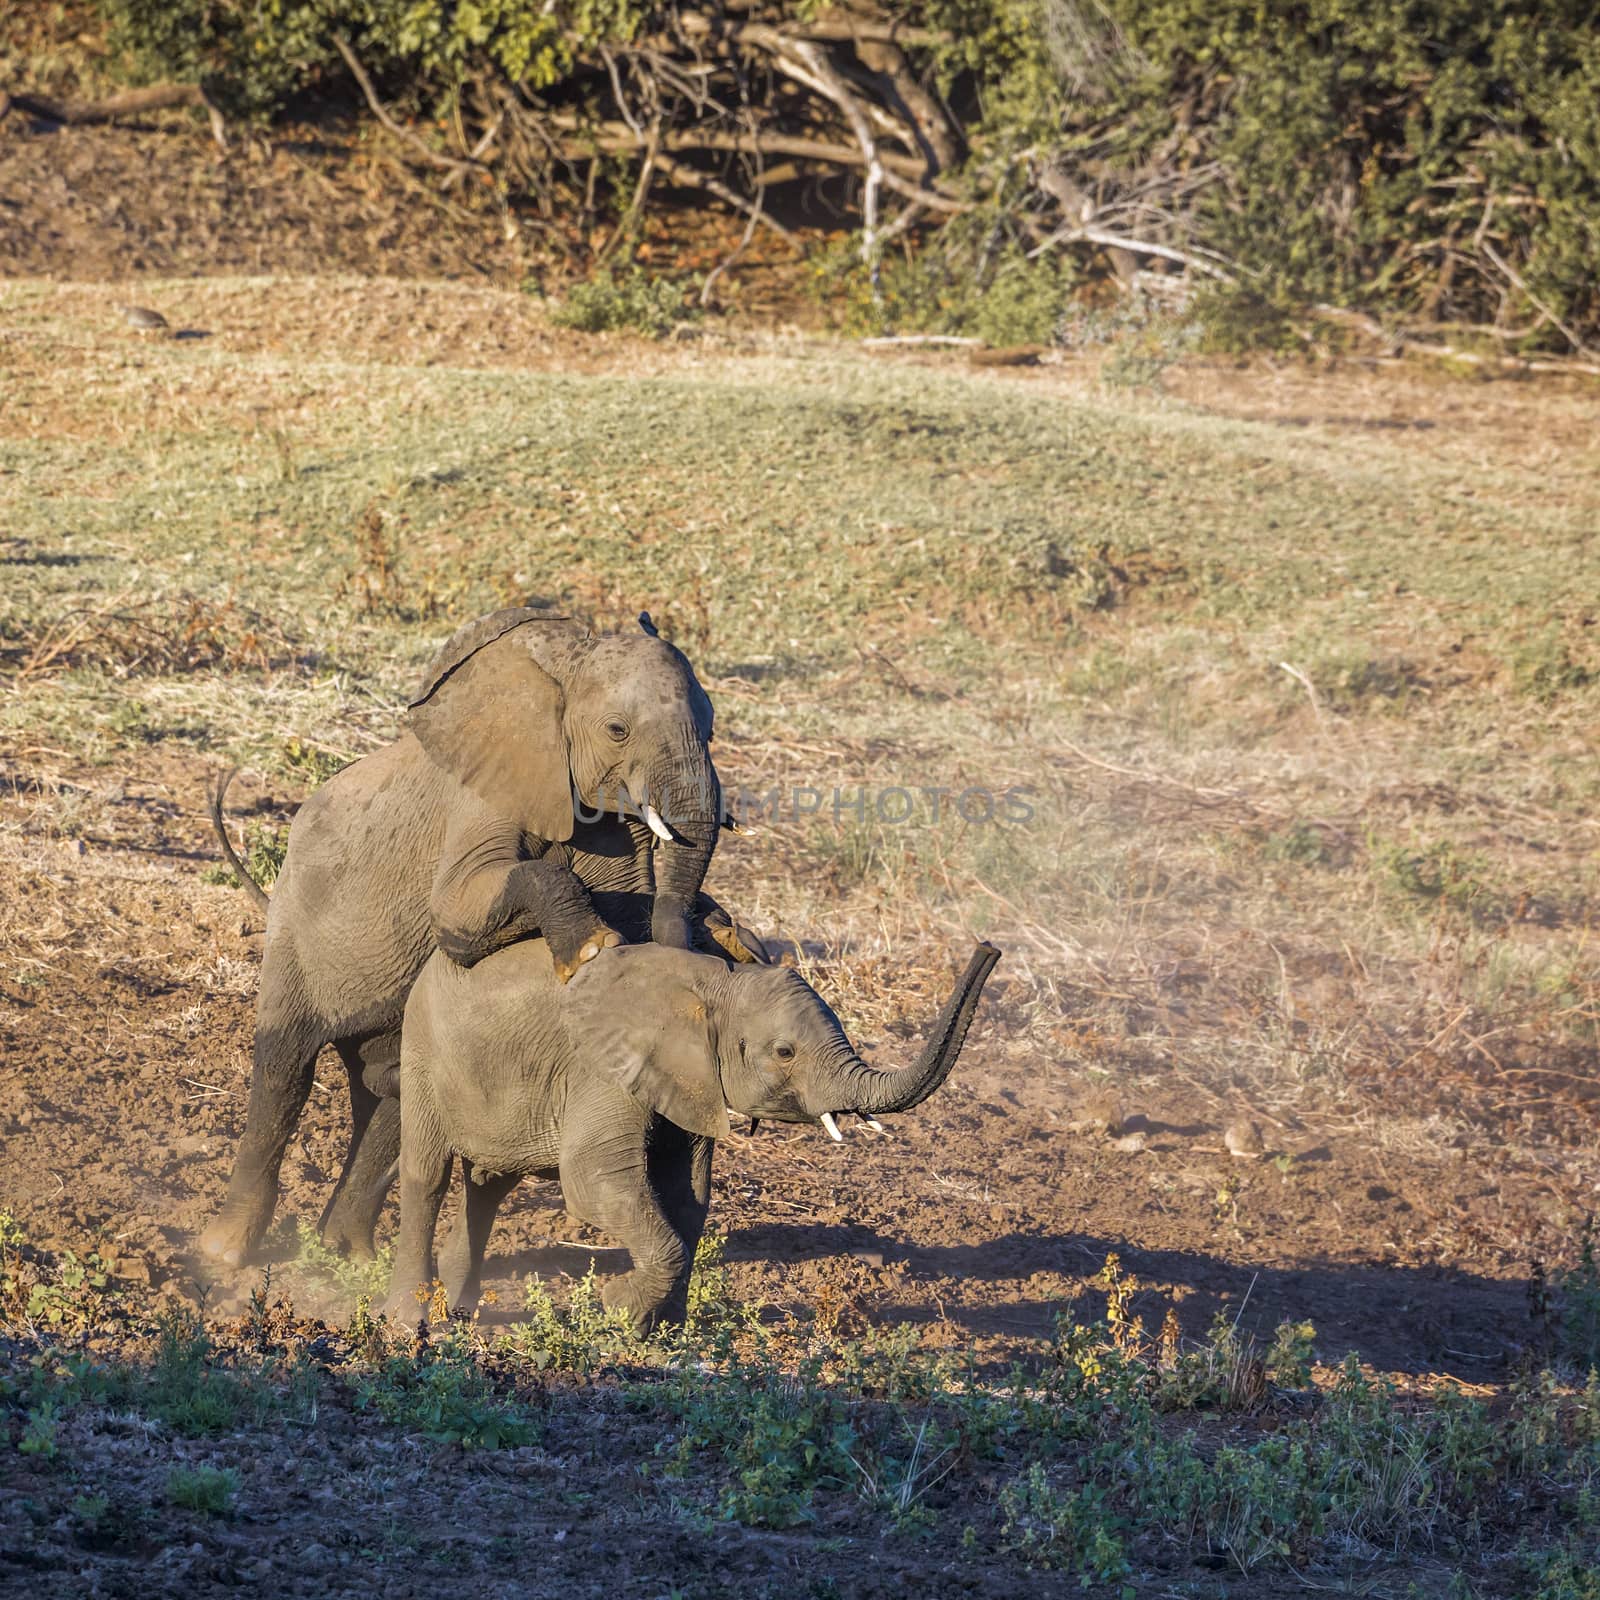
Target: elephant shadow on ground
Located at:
point(1399, 1319)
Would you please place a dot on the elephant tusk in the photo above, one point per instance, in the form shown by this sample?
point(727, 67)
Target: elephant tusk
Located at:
point(827, 1122)
point(657, 826)
point(872, 1122)
point(734, 825)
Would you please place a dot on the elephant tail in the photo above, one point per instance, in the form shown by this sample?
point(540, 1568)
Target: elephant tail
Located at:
point(215, 796)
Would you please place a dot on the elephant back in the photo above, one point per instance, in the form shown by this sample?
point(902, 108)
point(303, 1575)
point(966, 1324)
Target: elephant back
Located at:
point(471, 637)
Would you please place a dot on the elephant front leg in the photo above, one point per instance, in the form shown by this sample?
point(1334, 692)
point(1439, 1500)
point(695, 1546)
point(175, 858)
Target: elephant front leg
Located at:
point(605, 1179)
point(485, 897)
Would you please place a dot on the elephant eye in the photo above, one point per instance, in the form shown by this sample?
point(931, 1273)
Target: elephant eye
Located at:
point(618, 729)
point(784, 1052)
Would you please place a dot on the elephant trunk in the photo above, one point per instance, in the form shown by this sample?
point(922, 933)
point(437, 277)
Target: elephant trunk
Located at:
point(875, 1093)
point(688, 804)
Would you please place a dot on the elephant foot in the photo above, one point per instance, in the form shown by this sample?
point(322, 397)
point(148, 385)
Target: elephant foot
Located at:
point(349, 1237)
point(645, 1306)
point(568, 955)
point(231, 1237)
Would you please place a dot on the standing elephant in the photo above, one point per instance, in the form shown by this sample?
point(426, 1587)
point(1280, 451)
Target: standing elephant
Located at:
point(617, 1084)
point(459, 837)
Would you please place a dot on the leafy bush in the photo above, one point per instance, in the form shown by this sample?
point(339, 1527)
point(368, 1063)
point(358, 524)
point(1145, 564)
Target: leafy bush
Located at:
point(634, 302)
point(1436, 161)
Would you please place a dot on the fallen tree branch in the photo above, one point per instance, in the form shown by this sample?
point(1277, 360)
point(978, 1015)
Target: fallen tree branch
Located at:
point(1075, 233)
point(610, 138)
point(132, 103)
point(839, 92)
point(680, 172)
point(399, 130)
point(1400, 341)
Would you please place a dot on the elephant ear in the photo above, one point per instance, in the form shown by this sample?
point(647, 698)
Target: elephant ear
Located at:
point(656, 1040)
point(490, 715)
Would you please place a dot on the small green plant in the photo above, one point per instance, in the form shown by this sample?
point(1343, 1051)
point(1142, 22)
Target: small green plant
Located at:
point(186, 1390)
point(39, 1432)
point(1437, 872)
point(1300, 843)
point(209, 1490)
point(1075, 1531)
point(1290, 1359)
point(1560, 1575)
point(310, 762)
point(1545, 669)
point(632, 301)
point(710, 1294)
point(1578, 1299)
point(579, 1340)
point(334, 1271)
point(443, 1393)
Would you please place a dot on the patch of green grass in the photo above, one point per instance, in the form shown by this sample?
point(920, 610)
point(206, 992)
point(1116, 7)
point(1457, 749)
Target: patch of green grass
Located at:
point(187, 1389)
point(209, 1490)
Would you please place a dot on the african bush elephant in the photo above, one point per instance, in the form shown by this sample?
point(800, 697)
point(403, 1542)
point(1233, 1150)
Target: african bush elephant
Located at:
point(459, 836)
point(617, 1084)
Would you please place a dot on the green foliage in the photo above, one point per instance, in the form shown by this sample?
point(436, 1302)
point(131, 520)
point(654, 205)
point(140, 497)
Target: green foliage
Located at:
point(710, 1292)
point(1545, 669)
point(1578, 1292)
point(1076, 1531)
point(335, 1271)
point(310, 763)
point(633, 301)
point(254, 57)
point(579, 1340)
point(1437, 159)
point(39, 1432)
point(206, 1489)
point(961, 283)
point(186, 1389)
point(781, 1435)
point(443, 1393)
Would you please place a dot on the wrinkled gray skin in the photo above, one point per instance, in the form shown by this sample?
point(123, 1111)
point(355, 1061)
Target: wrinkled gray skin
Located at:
point(617, 1084)
point(458, 836)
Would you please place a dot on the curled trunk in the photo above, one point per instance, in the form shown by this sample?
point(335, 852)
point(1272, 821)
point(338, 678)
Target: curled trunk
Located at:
point(866, 1089)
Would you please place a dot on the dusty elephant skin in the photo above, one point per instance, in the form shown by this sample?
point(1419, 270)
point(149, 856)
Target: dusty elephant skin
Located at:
point(619, 1085)
point(459, 836)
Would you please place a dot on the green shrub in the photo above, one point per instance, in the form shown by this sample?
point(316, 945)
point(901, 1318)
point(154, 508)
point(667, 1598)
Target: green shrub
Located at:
point(1076, 1531)
point(632, 302)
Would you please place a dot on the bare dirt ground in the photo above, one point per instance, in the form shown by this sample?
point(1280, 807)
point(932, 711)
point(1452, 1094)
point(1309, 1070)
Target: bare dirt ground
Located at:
point(1427, 1157)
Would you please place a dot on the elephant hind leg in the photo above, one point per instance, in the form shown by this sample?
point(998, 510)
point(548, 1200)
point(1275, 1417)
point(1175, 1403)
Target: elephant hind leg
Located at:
point(288, 1038)
point(350, 1218)
point(461, 1260)
point(425, 1163)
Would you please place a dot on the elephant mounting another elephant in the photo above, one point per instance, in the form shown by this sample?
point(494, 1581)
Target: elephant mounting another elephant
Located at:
point(463, 836)
point(551, 797)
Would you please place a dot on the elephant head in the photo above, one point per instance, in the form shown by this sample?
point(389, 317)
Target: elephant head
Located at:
point(538, 717)
point(690, 1038)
